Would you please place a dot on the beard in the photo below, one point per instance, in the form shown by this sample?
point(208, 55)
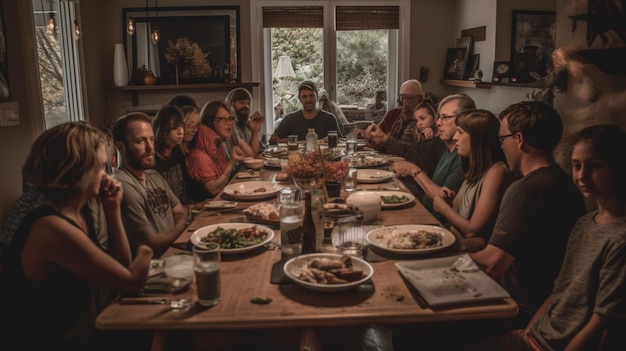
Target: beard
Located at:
point(142, 162)
point(242, 114)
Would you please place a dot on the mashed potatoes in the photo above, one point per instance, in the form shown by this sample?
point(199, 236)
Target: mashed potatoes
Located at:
point(410, 240)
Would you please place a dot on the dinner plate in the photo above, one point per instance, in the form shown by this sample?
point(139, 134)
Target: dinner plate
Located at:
point(373, 176)
point(246, 190)
point(378, 238)
point(274, 151)
point(294, 265)
point(196, 237)
point(410, 197)
point(440, 284)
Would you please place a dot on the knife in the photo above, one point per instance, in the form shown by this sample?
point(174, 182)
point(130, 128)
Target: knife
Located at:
point(127, 301)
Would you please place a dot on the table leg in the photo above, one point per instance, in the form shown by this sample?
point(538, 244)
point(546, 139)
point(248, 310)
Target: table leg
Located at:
point(158, 340)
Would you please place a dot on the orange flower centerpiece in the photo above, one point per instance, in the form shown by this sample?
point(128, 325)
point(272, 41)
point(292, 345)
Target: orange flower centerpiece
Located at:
point(310, 170)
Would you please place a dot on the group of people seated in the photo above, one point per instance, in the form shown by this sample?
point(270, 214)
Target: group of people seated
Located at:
point(80, 233)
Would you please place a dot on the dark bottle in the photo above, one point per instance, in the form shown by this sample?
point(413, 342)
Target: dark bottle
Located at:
point(308, 227)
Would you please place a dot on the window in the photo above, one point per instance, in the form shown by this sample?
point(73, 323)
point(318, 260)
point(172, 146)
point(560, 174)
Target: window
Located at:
point(57, 34)
point(350, 51)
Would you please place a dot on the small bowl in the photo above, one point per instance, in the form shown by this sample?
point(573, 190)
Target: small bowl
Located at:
point(254, 163)
point(367, 202)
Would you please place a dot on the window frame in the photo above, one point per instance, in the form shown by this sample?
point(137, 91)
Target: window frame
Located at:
point(399, 44)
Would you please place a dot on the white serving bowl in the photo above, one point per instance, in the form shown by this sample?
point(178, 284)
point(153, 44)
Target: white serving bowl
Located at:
point(367, 202)
point(254, 163)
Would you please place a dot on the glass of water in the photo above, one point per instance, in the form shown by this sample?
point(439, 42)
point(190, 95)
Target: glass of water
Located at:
point(350, 146)
point(179, 272)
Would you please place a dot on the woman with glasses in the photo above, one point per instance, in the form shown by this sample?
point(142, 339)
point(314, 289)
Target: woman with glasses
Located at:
point(210, 164)
point(471, 213)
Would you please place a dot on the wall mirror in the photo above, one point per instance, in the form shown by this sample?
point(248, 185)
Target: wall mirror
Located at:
point(196, 44)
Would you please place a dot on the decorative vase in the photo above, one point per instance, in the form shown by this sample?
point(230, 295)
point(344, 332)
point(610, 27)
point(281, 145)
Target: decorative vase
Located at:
point(120, 66)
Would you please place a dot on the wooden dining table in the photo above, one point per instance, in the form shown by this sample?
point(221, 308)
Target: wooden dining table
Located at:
point(386, 299)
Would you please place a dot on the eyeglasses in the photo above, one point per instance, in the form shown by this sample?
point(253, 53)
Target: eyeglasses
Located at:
point(224, 120)
point(191, 126)
point(444, 117)
point(502, 137)
point(411, 97)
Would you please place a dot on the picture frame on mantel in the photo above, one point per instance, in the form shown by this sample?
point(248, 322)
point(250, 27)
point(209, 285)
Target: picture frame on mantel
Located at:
point(533, 36)
point(213, 30)
point(456, 62)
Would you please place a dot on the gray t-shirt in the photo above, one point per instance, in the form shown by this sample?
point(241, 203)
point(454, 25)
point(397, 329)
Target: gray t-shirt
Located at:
point(534, 221)
point(146, 203)
point(296, 124)
point(592, 280)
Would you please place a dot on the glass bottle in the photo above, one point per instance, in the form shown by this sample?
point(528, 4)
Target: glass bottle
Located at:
point(311, 140)
point(308, 227)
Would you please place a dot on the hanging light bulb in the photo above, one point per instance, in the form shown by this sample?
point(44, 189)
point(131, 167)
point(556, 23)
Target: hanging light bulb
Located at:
point(156, 34)
point(130, 29)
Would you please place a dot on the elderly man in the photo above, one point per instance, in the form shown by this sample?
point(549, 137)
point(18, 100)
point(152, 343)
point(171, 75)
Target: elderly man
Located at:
point(399, 122)
point(448, 172)
point(299, 122)
point(247, 127)
point(151, 213)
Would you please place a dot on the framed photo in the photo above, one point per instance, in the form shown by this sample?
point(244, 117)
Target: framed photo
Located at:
point(468, 44)
point(456, 61)
point(210, 32)
point(532, 43)
point(501, 71)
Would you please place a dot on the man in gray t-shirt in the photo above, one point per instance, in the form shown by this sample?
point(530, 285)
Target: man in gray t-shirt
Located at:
point(537, 212)
point(152, 214)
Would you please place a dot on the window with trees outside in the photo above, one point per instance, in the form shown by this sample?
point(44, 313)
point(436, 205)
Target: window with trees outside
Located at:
point(349, 51)
point(57, 35)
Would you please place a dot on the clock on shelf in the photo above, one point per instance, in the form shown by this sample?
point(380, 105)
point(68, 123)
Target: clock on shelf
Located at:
point(501, 71)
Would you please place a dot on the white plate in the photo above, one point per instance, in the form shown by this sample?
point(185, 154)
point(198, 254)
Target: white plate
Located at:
point(391, 193)
point(373, 175)
point(439, 285)
point(292, 266)
point(202, 232)
point(246, 190)
point(217, 204)
point(377, 237)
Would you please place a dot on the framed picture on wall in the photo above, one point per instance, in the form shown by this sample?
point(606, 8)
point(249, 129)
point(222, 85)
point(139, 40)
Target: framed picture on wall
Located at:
point(456, 61)
point(5, 91)
point(532, 42)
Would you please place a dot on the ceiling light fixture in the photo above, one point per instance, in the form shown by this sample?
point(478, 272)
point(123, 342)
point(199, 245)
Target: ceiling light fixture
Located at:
point(156, 34)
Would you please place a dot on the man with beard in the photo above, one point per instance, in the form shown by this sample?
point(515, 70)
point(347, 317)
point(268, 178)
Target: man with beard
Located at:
point(299, 122)
point(247, 127)
point(151, 213)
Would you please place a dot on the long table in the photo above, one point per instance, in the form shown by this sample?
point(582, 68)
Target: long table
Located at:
point(387, 300)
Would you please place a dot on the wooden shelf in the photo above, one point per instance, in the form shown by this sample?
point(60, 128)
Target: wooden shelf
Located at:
point(136, 89)
point(466, 83)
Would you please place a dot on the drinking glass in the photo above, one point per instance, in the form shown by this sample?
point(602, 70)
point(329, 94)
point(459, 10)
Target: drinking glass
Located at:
point(207, 271)
point(179, 272)
point(291, 218)
point(350, 146)
point(350, 235)
point(292, 142)
point(332, 139)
